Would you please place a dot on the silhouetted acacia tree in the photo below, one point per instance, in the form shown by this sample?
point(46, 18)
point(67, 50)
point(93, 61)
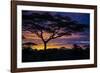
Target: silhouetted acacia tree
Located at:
point(49, 26)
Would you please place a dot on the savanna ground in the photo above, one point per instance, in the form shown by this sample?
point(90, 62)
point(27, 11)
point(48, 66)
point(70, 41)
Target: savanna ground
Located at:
point(30, 55)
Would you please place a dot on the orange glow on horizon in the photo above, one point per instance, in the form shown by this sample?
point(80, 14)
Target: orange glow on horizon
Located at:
point(41, 46)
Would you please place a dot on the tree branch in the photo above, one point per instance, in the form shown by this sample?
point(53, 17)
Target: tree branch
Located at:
point(41, 34)
point(37, 34)
point(50, 37)
point(57, 36)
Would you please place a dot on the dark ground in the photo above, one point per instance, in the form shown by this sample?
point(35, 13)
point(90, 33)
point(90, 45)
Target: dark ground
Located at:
point(30, 55)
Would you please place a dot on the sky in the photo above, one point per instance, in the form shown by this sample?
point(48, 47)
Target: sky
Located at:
point(80, 38)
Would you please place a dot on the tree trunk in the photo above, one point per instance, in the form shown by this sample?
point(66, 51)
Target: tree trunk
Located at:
point(45, 46)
